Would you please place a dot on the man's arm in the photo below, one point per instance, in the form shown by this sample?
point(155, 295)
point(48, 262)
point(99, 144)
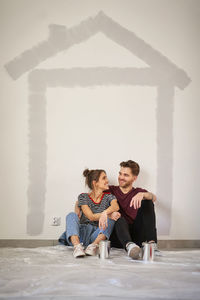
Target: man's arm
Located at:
point(149, 196)
point(137, 199)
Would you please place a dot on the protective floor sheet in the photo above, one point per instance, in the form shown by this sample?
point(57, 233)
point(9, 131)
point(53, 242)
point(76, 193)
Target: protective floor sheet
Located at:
point(53, 273)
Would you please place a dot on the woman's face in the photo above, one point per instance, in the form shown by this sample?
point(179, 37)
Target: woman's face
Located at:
point(102, 183)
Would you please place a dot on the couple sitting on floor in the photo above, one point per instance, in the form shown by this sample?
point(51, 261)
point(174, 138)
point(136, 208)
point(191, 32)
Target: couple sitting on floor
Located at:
point(123, 214)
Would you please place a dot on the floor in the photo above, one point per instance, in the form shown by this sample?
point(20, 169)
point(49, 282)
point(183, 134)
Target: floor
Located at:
point(53, 273)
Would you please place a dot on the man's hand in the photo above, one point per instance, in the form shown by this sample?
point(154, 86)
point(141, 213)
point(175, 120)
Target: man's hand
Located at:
point(103, 221)
point(115, 216)
point(136, 200)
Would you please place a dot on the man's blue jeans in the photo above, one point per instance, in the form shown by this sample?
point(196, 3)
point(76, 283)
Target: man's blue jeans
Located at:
point(87, 233)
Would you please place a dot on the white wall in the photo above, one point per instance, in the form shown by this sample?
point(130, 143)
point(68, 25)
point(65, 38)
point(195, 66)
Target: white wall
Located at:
point(94, 126)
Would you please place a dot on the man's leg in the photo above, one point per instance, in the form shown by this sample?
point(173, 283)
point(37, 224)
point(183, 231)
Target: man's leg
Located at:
point(115, 242)
point(124, 238)
point(144, 226)
point(121, 235)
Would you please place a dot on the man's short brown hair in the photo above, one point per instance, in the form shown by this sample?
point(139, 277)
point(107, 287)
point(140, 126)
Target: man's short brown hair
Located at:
point(135, 168)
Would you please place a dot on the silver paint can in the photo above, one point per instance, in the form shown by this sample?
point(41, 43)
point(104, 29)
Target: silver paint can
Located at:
point(148, 251)
point(104, 249)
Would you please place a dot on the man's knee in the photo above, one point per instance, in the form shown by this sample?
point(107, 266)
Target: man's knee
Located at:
point(147, 205)
point(121, 221)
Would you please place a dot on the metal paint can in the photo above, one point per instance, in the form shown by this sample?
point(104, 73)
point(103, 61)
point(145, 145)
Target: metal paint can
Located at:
point(148, 251)
point(104, 249)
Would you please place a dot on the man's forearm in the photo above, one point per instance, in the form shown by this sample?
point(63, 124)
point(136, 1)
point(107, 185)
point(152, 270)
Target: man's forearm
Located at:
point(149, 196)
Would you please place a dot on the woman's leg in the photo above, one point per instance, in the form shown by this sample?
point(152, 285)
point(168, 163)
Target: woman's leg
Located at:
point(86, 230)
point(63, 240)
point(72, 229)
point(97, 236)
point(100, 234)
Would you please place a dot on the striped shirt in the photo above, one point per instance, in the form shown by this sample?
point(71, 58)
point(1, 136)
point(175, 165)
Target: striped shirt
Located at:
point(85, 199)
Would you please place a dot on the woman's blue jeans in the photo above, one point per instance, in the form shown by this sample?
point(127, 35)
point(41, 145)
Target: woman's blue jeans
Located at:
point(87, 233)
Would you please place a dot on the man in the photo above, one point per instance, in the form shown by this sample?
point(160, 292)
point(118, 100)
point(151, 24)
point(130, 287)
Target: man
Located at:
point(137, 222)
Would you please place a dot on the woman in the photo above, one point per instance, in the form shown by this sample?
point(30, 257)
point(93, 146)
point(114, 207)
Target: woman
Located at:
point(98, 214)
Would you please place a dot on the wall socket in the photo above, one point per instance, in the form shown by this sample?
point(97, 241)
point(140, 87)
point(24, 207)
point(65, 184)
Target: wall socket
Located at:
point(56, 221)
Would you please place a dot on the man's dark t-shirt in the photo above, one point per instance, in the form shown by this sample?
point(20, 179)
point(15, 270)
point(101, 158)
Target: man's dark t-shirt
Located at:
point(129, 213)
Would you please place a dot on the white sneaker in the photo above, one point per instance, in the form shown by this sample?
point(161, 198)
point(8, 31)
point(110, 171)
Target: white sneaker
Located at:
point(133, 250)
point(78, 251)
point(91, 249)
point(157, 252)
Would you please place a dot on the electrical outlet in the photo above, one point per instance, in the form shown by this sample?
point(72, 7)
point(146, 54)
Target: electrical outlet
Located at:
point(56, 221)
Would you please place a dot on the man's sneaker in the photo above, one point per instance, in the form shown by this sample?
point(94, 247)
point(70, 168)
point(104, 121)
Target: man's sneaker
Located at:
point(78, 251)
point(157, 252)
point(133, 250)
point(91, 249)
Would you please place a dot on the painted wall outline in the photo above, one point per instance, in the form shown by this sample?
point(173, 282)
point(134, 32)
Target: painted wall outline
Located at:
point(161, 73)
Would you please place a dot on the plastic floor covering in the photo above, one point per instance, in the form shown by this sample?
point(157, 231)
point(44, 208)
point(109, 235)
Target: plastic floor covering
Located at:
point(53, 273)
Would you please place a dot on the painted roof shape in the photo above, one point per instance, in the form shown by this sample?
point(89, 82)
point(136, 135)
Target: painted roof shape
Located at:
point(61, 38)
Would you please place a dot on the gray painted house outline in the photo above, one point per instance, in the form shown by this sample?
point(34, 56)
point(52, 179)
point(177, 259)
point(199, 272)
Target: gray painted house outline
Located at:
point(162, 73)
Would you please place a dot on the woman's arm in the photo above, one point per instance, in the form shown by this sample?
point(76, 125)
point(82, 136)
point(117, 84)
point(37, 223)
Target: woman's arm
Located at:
point(77, 209)
point(95, 217)
point(101, 217)
point(114, 206)
point(89, 214)
point(103, 220)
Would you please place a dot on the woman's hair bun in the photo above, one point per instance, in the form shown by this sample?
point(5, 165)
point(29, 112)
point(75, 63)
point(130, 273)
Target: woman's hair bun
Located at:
point(86, 172)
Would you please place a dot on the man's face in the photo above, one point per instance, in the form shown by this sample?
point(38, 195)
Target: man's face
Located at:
point(126, 178)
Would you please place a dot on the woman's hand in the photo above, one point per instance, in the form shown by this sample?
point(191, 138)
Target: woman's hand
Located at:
point(103, 221)
point(115, 216)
